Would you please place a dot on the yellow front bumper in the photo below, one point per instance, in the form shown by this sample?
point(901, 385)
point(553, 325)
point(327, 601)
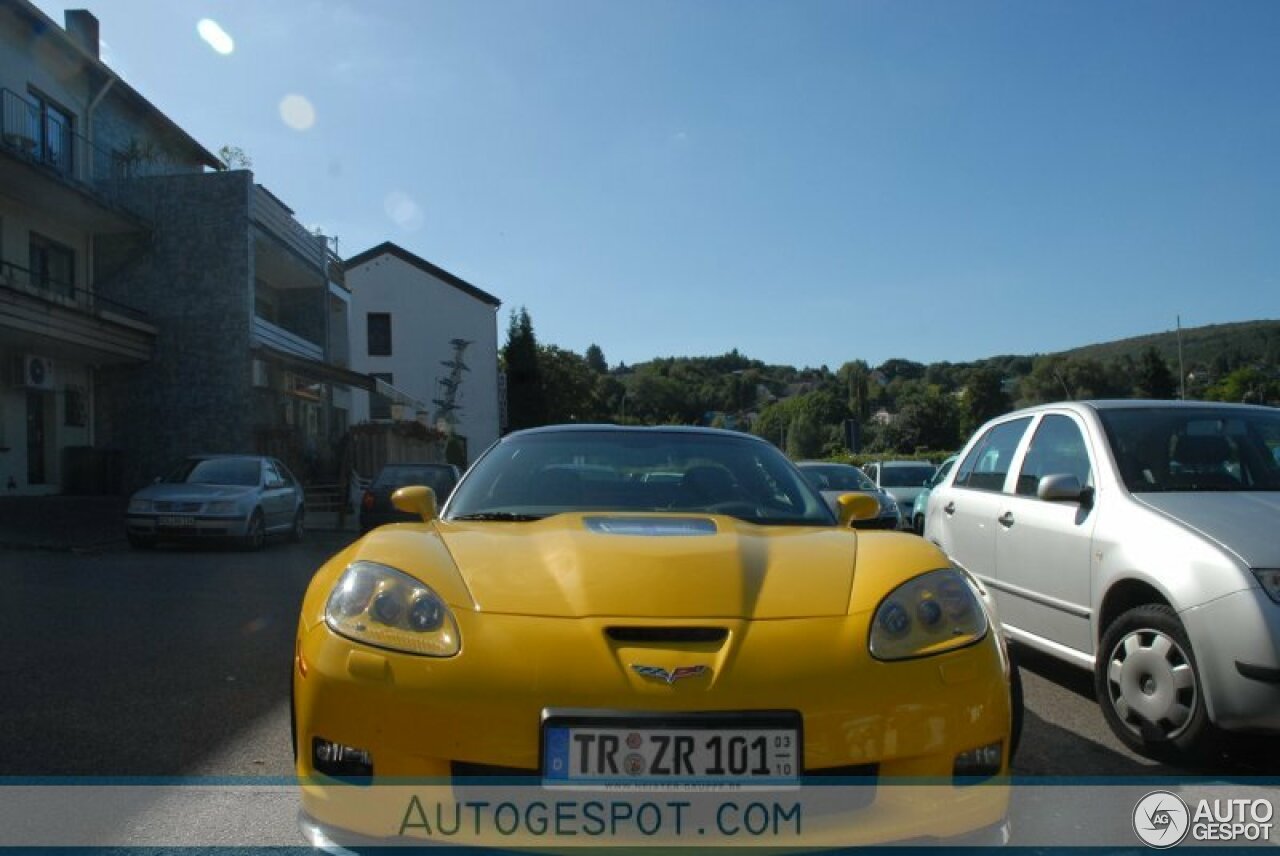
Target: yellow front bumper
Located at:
point(904, 722)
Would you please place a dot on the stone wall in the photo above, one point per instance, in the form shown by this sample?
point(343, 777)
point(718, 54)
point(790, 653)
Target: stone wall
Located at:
point(194, 281)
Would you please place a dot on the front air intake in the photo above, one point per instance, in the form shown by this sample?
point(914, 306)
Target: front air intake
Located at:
point(667, 634)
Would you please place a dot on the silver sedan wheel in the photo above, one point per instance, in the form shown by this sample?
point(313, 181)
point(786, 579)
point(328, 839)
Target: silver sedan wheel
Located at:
point(1151, 682)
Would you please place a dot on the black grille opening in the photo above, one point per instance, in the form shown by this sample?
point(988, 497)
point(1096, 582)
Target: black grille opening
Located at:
point(667, 634)
point(470, 770)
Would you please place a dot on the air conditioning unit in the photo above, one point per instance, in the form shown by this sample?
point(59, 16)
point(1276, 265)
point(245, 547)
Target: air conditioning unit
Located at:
point(35, 372)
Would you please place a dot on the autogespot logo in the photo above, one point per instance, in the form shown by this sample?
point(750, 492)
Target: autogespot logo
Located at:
point(1161, 819)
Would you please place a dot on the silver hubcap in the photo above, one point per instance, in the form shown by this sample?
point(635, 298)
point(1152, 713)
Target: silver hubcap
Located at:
point(1152, 684)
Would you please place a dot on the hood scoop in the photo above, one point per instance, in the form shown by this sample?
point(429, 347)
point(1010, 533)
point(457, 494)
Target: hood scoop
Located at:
point(667, 635)
point(655, 527)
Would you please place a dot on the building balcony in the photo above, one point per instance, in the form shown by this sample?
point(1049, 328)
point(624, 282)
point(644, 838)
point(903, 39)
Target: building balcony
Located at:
point(46, 165)
point(276, 219)
point(279, 339)
point(45, 316)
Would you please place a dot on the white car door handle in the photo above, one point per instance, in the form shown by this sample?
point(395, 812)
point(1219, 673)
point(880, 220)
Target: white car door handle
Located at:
point(1006, 519)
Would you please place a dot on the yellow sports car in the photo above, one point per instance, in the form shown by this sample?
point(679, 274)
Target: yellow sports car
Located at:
point(612, 635)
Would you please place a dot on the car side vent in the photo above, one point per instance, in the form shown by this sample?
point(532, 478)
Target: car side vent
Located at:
point(667, 634)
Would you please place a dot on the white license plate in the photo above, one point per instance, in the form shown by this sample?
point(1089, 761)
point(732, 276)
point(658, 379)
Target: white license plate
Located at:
point(661, 753)
point(176, 521)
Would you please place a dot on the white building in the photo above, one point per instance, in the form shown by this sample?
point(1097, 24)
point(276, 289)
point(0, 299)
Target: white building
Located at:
point(408, 318)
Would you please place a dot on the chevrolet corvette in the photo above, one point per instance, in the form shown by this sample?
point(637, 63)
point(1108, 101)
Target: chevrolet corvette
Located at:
point(569, 622)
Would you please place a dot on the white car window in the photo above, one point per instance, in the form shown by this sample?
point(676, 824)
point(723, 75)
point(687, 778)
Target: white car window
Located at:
point(987, 464)
point(1056, 449)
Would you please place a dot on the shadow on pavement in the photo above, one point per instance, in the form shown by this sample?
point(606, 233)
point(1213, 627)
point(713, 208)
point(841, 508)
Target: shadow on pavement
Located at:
point(1048, 746)
point(144, 663)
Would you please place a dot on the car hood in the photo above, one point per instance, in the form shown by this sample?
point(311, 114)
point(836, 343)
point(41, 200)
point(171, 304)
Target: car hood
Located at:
point(1243, 522)
point(576, 565)
point(191, 492)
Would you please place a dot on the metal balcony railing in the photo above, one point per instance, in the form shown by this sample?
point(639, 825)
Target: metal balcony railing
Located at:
point(43, 138)
point(40, 135)
point(34, 282)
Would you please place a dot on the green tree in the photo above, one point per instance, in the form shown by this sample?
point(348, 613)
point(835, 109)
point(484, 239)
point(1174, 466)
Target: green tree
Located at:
point(927, 419)
point(1248, 385)
point(568, 387)
point(595, 359)
point(804, 440)
point(856, 376)
point(1153, 378)
point(984, 398)
point(235, 157)
point(526, 407)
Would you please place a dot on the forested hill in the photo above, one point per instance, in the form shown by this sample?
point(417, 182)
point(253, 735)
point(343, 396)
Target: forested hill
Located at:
point(901, 406)
point(1220, 347)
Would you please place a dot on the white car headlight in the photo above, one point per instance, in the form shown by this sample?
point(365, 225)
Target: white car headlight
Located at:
point(1269, 579)
point(139, 506)
point(381, 606)
point(932, 613)
point(222, 506)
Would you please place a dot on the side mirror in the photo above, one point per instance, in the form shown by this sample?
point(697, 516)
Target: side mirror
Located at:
point(1061, 487)
point(416, 499)
point(856, 506)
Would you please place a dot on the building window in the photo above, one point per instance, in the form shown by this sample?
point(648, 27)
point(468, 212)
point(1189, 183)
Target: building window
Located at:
point(52, 266)
point(380, 405)
point(50, 128)
point(379, 334)
point(75, 411)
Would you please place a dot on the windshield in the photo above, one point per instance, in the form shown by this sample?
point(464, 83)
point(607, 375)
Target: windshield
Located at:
point(837, 477)
point(240, 472)
point(909, 476)
point(1195, 449)
point(535, 475)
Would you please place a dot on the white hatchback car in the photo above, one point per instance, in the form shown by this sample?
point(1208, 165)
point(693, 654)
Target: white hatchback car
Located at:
point(1136, 539)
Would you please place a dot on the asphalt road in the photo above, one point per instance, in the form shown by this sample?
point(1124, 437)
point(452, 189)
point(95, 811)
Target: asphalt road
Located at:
point(176, 663)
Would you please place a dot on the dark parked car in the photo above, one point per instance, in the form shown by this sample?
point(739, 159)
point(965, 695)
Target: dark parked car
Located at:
point(242, 497)
point(836, 479)
point(376, 508)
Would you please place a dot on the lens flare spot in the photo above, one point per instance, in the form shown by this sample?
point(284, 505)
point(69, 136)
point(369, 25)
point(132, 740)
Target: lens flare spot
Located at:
point(216, 37)
point(297, 112)
point(403, 211)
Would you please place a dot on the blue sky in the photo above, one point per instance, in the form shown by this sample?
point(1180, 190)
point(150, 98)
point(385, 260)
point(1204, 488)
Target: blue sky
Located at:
point(809, 182)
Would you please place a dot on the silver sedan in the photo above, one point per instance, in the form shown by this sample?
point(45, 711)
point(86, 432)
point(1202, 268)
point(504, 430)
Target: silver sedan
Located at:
point(242, 497)
point(1135, 539)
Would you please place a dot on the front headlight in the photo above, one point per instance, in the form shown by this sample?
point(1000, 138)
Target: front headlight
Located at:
point(1269, 579)
point(933, 613)
point(888, 503)
point(139, 506)
point(222, 506)
point(381, 606)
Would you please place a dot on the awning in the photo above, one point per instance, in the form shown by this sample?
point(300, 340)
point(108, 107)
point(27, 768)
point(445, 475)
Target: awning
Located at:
point(315, 369)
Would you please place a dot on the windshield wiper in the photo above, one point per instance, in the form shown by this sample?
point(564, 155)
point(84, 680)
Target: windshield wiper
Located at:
point(509, 516)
